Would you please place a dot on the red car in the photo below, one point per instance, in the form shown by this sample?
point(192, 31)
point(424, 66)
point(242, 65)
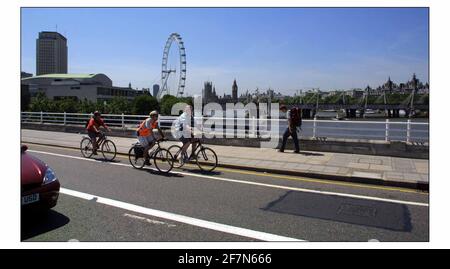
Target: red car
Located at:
point(39, 184)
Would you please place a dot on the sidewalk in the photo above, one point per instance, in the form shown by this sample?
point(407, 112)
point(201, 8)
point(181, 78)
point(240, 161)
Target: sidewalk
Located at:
point(380, 170)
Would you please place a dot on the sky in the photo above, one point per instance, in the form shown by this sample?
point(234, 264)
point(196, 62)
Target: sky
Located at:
point(285, 49)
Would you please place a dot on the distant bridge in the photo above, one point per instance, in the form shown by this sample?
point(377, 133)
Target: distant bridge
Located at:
point(361, 106)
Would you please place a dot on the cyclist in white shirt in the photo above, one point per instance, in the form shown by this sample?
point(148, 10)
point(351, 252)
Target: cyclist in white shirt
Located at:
point(184, 129)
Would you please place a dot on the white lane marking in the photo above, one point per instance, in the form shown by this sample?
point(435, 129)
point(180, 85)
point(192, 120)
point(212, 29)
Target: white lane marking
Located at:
point(151, 221)
point(254, 183)
point(183, 219)
point(73, 240)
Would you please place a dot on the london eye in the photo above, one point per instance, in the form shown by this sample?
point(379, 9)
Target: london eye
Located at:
point(168, 73)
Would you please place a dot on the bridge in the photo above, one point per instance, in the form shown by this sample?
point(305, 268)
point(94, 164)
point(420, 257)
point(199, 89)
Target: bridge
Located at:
point(392, 110)
point(391, 104)
point(361, 107)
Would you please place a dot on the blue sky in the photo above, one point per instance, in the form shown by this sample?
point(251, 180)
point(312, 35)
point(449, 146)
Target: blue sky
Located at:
point(285, 49)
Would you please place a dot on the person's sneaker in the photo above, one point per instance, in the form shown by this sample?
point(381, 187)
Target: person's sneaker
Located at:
point(94, 152)
point(281, 150)
point(147, 162)
point(297, 151)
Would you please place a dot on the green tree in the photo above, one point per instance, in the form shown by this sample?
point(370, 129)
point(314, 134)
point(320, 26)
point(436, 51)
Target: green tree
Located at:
point(119, 105)
point(143, 104)
point(87, 106)
point(296, 100)
point(423, 99)
point(167, 102)
point(310, 98)
point(395, 98)
point(68, 105)
point(40, 103)
point(187, 100)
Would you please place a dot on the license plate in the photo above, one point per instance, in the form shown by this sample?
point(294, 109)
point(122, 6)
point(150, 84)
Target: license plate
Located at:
point(28, 199)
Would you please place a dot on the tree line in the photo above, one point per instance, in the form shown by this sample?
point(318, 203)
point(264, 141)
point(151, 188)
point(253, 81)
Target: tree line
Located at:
point(141, 105)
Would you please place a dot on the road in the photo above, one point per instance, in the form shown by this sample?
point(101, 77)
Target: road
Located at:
point(111, 201)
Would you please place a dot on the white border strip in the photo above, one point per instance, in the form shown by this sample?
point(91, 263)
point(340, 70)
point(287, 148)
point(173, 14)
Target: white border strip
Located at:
point(183, 219)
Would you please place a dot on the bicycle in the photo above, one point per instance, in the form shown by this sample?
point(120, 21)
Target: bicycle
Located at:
point(162, 158)
point(205, 157)
point(106, 146)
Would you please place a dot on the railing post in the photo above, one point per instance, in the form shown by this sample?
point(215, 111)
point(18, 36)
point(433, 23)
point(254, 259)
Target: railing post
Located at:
point(123, 122)
point(386, 136)
point(314, 126)
point(408, 131)
point(64, 117)
point(253, 127)
point(42, 117)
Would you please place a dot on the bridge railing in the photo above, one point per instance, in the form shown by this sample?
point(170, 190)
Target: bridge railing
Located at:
point(387, 130)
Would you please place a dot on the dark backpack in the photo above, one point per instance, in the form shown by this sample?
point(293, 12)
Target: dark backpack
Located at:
point(296, 117)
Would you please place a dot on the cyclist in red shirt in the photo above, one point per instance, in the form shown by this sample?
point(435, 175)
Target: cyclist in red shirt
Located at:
point(93, 129)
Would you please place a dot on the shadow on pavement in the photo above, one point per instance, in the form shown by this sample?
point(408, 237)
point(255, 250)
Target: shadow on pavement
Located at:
point(310, 153)
point(34, 223)
point(370, 213)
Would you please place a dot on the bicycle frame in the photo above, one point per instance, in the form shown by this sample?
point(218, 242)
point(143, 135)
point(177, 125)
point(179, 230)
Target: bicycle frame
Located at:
point(154, 150)
point(197, 148)
point(100, 140)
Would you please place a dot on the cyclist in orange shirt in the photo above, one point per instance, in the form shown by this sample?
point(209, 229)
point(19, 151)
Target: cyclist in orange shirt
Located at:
point(145, 133)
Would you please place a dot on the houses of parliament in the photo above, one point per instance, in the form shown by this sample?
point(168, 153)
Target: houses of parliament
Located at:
point(209, 94)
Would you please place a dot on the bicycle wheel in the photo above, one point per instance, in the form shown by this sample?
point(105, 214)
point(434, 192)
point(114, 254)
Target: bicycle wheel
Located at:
point(109, 150)
point(163, 160)
point(137, 161)
point(175, 151)
point(86, 147)
point(206, 159)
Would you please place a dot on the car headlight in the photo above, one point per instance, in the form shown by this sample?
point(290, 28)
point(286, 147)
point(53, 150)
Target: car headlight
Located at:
point(49, 177)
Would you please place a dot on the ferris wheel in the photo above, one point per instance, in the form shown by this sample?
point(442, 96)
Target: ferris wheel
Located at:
point(166, 72)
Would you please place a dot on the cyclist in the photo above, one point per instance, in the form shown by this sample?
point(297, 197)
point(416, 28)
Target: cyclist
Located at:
point(185, 127)
point(93, 127)
point(145, 133)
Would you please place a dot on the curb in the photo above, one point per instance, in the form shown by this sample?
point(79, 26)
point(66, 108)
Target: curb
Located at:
point(418, 185)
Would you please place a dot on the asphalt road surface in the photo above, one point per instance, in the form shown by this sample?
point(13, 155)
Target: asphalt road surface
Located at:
point(111, 201)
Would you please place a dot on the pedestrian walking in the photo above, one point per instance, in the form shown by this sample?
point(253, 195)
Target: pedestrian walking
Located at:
point(294, 121)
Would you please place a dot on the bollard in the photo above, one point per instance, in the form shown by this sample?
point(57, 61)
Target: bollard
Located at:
point(64, 118)
point(123, 122)
point(254, 126)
